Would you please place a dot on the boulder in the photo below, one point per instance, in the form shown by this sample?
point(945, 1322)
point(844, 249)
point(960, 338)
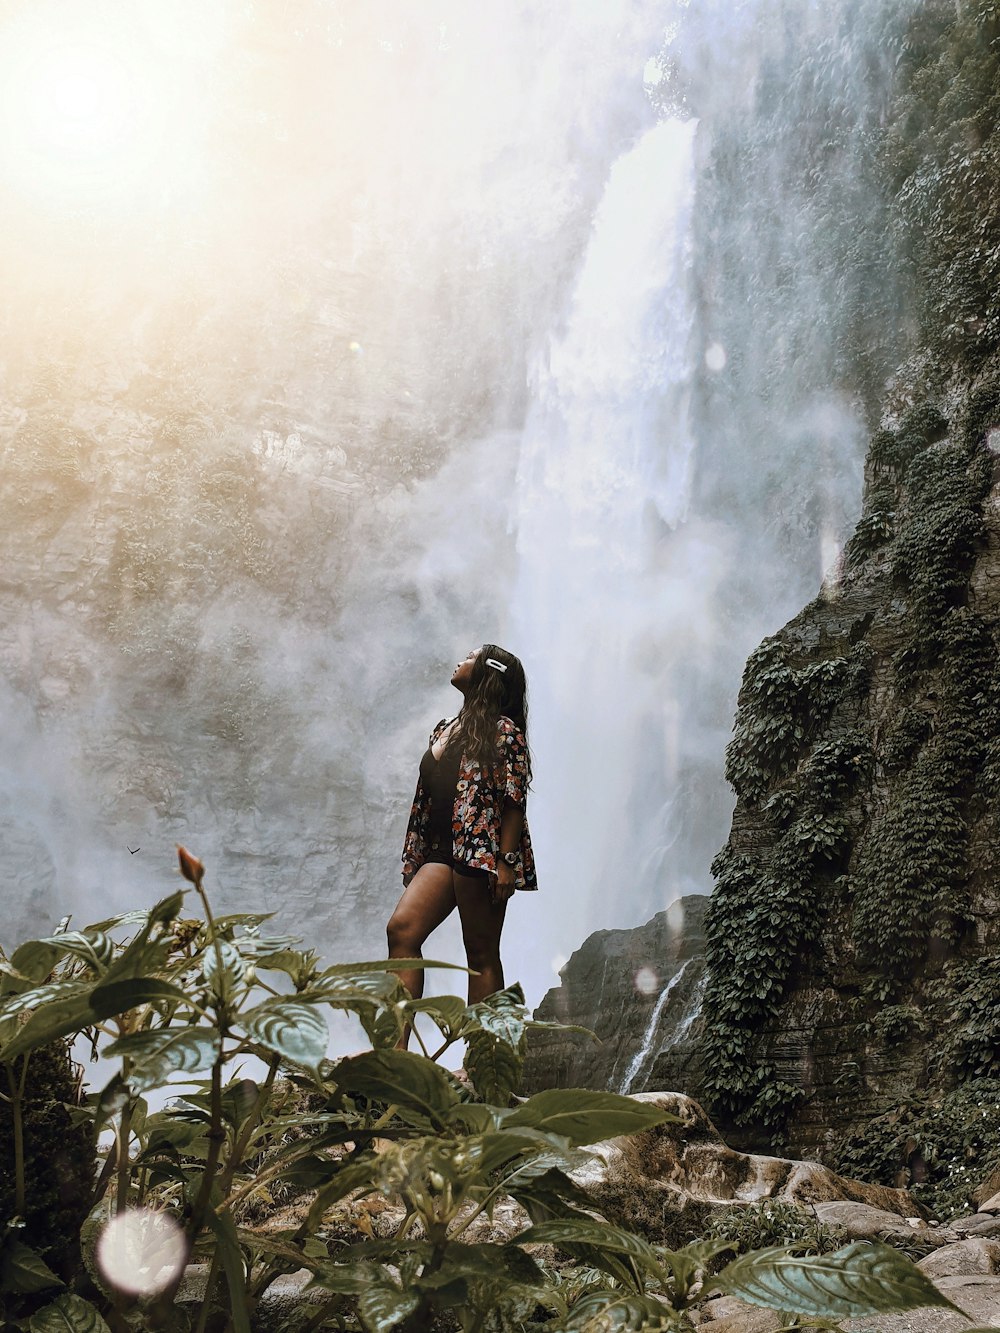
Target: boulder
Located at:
point(689, 1161)
point(862, 1221)
point(963, 1258)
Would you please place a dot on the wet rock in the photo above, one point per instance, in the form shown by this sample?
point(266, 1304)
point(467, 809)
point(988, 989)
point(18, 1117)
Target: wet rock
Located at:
point(640, 991)
point(690, 1162)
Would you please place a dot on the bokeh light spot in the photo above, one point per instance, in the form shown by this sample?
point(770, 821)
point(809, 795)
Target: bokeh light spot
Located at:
point(646, 980)
point(715, 356)
point(141, 1251)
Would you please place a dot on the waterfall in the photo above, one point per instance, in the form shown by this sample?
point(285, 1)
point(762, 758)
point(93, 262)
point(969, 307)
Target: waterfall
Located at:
point(642, 1054)
point(608, 577)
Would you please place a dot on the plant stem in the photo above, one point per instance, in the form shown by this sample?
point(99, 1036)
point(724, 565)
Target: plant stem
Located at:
point(206, 1303)
point(124, 1134)
point(246, 1134)
point(216, 1137)
point(17, 1125)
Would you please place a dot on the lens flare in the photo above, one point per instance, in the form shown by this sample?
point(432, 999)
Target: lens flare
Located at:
point(715, 356)
point(646, 981)
point(141, 1252)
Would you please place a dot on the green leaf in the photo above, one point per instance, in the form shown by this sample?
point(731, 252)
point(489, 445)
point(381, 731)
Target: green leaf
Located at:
point(117, 997)
point(157, 1054)
point(587, 1117)
point(548, 1195)
point(860, 1279)
point(94, 947)
point(356, 1174)
point(447, 1011)
point(569, 1232)
point(68, 1314)
point(22, 1270)
point(503, 1015)
point(388, 965)
point(57, 1018)
point(36, 959)
point(293, 1030)
point(621, 1312)
point(228, 981)
point(232, 1264)
point(382, 1305)
point(399, 1077)
point(493, 1066)
point(38, 996)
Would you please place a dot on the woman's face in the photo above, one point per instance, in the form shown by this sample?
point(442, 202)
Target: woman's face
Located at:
point(462, 674)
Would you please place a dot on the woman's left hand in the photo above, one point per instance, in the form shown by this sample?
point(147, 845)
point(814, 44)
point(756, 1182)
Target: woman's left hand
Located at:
point(502, 884)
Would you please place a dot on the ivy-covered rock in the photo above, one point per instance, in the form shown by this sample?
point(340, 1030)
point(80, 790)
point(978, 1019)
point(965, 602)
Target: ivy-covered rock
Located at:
point(59, 1158)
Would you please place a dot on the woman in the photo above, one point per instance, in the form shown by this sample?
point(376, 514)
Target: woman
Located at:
point(467, 843)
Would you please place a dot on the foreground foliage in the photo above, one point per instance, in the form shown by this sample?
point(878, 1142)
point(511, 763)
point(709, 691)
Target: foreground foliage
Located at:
point(182, 1004)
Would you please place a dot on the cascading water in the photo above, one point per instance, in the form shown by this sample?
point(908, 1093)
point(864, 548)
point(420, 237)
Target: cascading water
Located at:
point(607, 574)
point(639, 1061)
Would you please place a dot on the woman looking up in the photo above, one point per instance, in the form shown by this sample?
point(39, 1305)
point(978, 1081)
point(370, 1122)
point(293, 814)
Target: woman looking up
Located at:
point(467, 843)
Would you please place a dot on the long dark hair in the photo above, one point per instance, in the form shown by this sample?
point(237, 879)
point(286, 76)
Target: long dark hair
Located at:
point(491, 694)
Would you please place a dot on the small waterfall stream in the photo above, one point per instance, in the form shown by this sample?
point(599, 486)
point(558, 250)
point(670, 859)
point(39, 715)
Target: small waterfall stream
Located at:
point(638, 1062)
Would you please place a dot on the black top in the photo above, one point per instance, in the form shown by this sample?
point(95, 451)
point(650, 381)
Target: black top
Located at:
point(439, 778)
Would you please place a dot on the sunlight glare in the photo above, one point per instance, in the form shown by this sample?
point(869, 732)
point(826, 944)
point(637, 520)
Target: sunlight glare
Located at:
point(96, 110)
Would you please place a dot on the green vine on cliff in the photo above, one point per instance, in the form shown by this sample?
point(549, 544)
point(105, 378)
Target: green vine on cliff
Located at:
point(780, 710)
point(767, 909)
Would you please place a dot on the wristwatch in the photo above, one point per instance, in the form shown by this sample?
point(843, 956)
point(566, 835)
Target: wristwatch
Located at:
point(509, 857)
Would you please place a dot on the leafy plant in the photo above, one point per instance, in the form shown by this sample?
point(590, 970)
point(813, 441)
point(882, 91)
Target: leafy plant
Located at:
point(772, 1222)
point(183, 1002)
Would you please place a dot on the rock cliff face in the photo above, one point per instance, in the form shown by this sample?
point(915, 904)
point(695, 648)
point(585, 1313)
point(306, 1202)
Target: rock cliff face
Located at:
point(640, 991)
point(856, 900)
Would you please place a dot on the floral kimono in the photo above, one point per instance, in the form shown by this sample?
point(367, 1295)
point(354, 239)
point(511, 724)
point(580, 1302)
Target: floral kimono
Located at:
point(480, 796)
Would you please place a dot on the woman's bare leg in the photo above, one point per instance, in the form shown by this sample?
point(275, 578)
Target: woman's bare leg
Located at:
point(427, 900)
point(482, 922)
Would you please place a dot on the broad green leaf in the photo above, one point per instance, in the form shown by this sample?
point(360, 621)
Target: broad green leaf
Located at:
point(398, 1077)
point(388, 965)
point(503, 1015)
point(94, 947)
point(117, 997)
point(232, 1265)
point(500, 1147)
point(382, 1305)
point(473, 1117)
point(447, 1011)
point(38, 996)
point(860, 1279)
point(251, 919)
point(57, 1018)
point(295, 963)
point(587, 1117)
point(598, 1235)
point(291, 1029)
point(547, 1196)
point(36, 959)
point(22, 1270)
point(134, 918)
point(225, 971)
point(144, 954)
point(68, 1314)
point(493, 1066)
point(157, 1054)
point(687, 1265)
point(277, 1247)
point(621, 1312)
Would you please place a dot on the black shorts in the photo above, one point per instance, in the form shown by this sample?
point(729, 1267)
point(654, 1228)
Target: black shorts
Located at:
point(439, 854)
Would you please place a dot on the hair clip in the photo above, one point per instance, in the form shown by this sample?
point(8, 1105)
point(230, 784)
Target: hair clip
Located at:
point(497, 666)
